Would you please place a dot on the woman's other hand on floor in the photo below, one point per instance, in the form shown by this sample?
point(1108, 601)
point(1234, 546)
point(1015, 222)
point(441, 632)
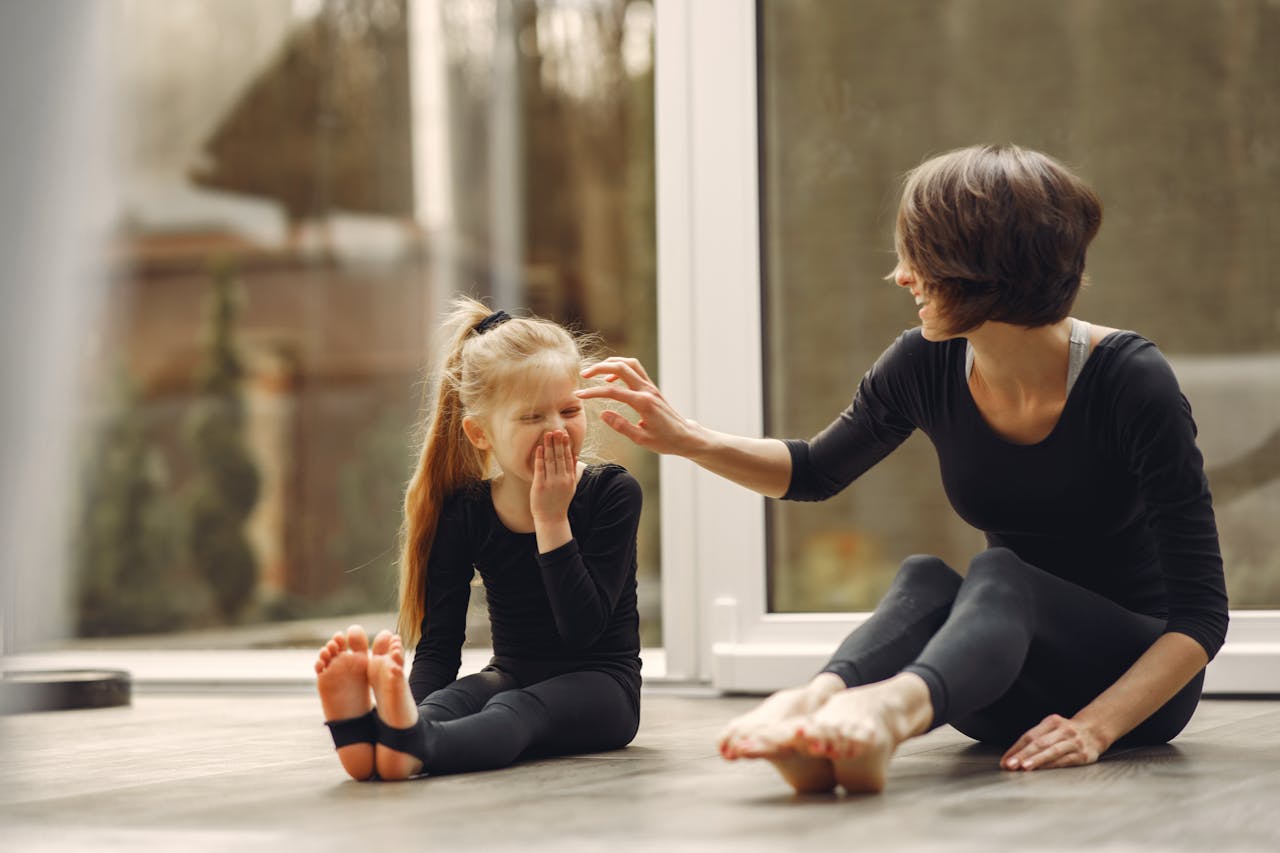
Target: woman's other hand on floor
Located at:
point(1056, 742)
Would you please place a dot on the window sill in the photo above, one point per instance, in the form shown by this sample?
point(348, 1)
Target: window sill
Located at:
point(254, 671)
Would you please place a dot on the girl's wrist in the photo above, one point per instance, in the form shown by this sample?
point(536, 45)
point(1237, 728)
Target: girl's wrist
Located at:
point(552, 534)
point(547, 519)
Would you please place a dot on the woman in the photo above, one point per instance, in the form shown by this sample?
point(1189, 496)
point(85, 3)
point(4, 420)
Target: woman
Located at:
point(1100, 599)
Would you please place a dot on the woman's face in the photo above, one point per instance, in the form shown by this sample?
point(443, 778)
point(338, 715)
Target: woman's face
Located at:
point(932, 325)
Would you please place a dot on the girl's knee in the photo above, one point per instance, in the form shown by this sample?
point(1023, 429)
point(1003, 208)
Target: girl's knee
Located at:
point(997, 564)
point(521, 702)
point(924, 571)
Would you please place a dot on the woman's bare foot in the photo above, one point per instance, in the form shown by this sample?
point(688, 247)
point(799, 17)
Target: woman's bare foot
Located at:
point(858, 729)
point(342, 680)
point(395, 704)
point(804, 773)
point(769, 731)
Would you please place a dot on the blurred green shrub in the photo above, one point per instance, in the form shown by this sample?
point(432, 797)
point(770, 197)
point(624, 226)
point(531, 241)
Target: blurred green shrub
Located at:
point(370, 496)
point(224, 485)
point(127, 550)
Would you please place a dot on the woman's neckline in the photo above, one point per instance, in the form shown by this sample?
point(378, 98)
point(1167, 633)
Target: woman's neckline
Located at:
point(1073, 392)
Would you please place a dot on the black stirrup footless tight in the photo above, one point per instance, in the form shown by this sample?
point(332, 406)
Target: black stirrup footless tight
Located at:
point(1005, 646)
point(485, 721)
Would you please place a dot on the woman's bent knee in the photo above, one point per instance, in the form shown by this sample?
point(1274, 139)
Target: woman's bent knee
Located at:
point(998, 568)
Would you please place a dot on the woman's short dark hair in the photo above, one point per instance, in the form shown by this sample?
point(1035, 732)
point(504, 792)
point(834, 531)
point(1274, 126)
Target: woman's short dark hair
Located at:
point(997, 232)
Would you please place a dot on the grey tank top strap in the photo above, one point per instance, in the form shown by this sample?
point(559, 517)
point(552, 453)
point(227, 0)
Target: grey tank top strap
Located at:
point(1077, 353)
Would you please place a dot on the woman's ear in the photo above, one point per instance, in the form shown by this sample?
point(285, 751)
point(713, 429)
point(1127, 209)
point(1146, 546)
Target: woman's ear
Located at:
point(475, 433)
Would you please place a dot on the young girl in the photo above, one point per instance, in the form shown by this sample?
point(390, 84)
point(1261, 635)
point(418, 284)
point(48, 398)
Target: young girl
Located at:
point(499, 489)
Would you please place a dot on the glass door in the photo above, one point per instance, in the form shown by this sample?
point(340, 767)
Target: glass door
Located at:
point(780, 157)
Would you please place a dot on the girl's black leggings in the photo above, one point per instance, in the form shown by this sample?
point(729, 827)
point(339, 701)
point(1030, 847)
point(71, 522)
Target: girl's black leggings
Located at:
point(492, 718)
point(1005, 646)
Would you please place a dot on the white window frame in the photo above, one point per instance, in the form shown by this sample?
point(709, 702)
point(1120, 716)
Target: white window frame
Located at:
point(715, 620)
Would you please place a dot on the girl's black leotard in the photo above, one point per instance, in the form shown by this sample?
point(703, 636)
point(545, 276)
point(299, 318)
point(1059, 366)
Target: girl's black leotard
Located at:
point(1114, 502)
point(574, 606)
point(565, 675)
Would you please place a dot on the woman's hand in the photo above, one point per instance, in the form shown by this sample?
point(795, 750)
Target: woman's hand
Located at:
point(1055, 742)
point(555, 477)
point(661, 428)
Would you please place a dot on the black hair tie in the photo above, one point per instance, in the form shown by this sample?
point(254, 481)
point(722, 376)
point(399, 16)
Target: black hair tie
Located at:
point(497, 318)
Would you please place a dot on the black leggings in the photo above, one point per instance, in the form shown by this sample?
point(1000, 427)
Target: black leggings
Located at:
point(1005, 646)
point(488, 720)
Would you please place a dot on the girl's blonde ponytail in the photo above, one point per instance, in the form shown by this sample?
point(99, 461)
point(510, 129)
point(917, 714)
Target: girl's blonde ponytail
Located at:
point(447, 462)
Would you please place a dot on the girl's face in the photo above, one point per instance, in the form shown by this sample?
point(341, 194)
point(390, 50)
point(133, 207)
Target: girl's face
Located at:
point(535, 405)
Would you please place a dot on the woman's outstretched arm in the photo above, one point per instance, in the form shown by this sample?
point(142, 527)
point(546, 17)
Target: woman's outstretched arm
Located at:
point(760, 464)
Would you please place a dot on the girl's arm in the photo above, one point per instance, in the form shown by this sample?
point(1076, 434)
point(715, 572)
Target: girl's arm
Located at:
point(585, 576)
point(760, 464)
point(438, 655)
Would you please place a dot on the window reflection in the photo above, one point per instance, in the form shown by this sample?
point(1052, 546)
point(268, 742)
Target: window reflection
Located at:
point(305, 184)
point(1172, 122)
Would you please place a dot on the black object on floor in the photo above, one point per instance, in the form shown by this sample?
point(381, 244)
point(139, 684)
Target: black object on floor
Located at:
point(63, 690)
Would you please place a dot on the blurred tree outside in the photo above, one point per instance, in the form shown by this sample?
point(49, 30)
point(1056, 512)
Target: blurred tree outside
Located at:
point(224, 488)
point(299, 149)
point(370, 499)
point(326, 124)
point(130, 579)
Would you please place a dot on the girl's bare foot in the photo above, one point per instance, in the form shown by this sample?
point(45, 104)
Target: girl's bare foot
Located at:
point(395, 704)
point(343, 684)
point(770, 731)
point(858, 729)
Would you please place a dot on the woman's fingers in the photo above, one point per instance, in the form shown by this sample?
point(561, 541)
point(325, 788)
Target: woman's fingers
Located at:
point(624, 427)
point(630, 371)
point(1019, 745)
point(638, 400)
point(1023, 746)
point(1046, 756)
point(1055, 742)
point(637, 367)
point(660, 427)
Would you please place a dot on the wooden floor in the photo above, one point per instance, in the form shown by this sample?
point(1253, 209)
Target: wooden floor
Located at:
point(255, 772)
